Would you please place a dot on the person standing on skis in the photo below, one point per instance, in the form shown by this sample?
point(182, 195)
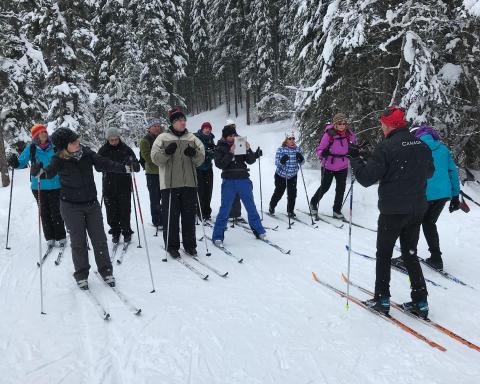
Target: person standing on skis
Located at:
point(79, 206)
point(117, 187)
point(236, 180)
point(401, 164)
point(42, 150)
point(288, 159)
point(205, 171)
point(177, 152)
point(332, 151)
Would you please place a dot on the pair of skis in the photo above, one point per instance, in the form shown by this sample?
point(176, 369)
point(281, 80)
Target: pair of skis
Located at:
point(224, 250)
point(49, 250)
point(122, 253)
point(104, 314)
point(321, 218)
point(440, 271)
point(397, 322)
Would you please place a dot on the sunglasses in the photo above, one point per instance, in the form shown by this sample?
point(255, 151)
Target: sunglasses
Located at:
point(387, 112)
point(290, 138)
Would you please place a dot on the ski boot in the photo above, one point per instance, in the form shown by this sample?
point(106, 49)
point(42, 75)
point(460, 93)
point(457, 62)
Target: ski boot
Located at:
point(314, 209)
point(291, 215)
point(271, 210)
point(418, 308)
point(435, 263)
point(379, 304)
point(338, 215)
point(398, 262)
point(115, 239)
point(218, 243)
point(127, 238)
point(83, 284)
point(174, 253)
point(191, 251)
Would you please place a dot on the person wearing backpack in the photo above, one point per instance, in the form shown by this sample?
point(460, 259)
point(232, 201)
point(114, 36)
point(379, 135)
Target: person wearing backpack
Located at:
point(41, 150)
point(333, 151)
point(151, 171)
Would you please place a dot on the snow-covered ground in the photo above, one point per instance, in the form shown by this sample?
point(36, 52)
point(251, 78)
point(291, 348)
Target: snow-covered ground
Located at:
point(267, 322)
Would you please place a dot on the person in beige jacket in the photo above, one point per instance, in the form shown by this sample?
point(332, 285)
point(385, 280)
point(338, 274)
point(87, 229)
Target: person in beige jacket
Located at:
point(177, 152)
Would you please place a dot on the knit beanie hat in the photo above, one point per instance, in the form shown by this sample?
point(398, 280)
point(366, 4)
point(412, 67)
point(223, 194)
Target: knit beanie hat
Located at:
point(37, 129)
point(176, 114)
point(289, 133)
point(153, 121)
point(339, 118)
point(393, 117)
point(228, 130)
point(206, 125)
point(425, 130)
point(229, 122)
point(112, 132)
point(62, 137)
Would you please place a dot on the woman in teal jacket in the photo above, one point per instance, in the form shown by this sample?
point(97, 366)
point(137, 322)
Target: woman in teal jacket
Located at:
point(41, 150)
point(441, 187)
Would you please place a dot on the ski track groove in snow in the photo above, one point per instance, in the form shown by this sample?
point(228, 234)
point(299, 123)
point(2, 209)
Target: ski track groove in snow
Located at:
point(267, 323)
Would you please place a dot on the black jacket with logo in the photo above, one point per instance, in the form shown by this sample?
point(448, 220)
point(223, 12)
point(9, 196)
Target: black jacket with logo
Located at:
point(402, 164)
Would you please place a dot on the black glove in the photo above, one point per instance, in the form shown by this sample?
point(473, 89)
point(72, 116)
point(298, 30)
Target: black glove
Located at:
point(12, 160)
point(299, 157)
point(353, 151)
point(284, 159)
point(190, 151)
point(171, 148)
point(454, 204)
point(258, 153)
point(36, 169)
point(133, 163)
point(326, 153)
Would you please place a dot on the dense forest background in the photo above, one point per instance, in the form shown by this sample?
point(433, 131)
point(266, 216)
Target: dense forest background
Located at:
point(91, 64)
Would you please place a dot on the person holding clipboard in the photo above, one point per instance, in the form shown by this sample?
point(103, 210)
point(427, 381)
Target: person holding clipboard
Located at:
point(232, 155)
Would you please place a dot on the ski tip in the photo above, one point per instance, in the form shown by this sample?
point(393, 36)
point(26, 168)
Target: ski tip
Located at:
point(225, 274)
point(344, 278)
point(314, 276)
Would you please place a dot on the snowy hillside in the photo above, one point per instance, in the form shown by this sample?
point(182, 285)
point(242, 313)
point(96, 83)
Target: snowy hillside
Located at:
point(268, 322)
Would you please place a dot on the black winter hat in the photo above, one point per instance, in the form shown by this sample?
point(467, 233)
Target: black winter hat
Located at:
point(229, 130)
point(175, 114)
point(62, 137)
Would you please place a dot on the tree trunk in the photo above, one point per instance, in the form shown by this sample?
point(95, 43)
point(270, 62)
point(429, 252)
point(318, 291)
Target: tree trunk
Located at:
point(227, 96)
point(235, 92)
point(3, 161)
point(247, 105)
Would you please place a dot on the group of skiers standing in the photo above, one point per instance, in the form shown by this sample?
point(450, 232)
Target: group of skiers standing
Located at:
point(415, 171)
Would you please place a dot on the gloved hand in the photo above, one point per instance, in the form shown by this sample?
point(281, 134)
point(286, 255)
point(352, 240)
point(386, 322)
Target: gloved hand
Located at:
point(326, 153)
point(12, 160)
point(134, 165)
point(353, 151)
point(190, 151)
point(258, 153)
point(454, 204)
point(36, 169)
point(171, 148)
point(284, 159)
point(299, 157)
point(128, 169)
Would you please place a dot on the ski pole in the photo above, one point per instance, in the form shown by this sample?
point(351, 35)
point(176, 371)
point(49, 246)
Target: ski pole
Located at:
point(200, 209)
point(169, 212)
point(346, 197)
point(40, 244)
point(10, 208)
point(306, 195)
point(352, 177)
point(143, 229)
point(469, 198)
point(136, 217)
point(260, 176)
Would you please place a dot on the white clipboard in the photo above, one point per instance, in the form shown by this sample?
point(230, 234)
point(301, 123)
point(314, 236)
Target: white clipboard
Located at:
point(240, 145)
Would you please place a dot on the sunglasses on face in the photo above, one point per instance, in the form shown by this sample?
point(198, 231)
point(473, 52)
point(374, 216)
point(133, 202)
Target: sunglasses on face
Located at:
point(290, 138)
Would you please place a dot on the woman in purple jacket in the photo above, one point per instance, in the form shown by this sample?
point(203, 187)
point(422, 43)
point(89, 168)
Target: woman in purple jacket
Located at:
point(332, 152)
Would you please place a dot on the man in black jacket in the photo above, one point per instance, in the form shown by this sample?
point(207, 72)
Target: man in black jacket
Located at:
point(79, 206)
point(117, 188)
point(236, 180)
point(402, 164)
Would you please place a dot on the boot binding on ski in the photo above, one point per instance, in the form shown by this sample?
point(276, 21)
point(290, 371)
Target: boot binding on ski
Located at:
point(379, 304)
point(418, 308)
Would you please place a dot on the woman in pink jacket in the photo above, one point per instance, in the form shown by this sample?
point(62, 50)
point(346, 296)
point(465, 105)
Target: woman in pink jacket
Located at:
point(332, 152)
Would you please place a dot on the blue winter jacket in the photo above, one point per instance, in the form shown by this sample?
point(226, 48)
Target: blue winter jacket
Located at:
point(45, 157)
point(444, 183)
point(290, 169)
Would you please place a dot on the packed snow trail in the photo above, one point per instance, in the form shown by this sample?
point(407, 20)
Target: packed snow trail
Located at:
point(266, 323)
